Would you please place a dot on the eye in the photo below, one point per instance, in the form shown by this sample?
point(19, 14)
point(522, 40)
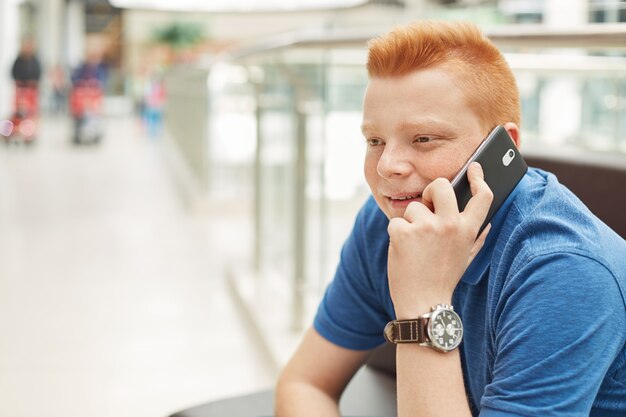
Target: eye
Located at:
point(374, 141)
point(422, 139)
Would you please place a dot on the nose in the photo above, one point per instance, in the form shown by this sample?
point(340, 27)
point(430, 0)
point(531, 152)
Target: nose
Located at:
point(394, 162)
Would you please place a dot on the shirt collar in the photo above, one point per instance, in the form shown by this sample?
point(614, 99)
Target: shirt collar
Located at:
point(477, 269)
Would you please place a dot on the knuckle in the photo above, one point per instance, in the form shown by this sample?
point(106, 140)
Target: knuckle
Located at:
point(398, 230)
point(427, 227)
point(483, 190)
point(394, 225)
point(488, 192)
point(448, 227)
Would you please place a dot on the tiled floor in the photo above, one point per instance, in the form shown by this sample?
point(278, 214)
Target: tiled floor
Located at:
point(112, 298)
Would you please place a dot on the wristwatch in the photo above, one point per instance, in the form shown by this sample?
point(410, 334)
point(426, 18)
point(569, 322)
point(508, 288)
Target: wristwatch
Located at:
point(441, 329)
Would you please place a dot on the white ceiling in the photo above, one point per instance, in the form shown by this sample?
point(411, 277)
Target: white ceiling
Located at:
point(230, 6)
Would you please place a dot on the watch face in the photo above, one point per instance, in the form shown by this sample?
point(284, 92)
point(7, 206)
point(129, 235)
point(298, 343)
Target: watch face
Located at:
point(445, 330)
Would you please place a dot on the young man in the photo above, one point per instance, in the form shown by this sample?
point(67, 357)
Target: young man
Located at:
point(541, 293)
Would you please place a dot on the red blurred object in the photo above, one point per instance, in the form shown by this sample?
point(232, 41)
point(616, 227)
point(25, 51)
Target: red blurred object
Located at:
point(85, 97)
point(24, 118)
point(85, 106)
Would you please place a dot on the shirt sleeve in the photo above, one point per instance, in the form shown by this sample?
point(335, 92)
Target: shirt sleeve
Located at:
point(559, 325)
point(351, 313)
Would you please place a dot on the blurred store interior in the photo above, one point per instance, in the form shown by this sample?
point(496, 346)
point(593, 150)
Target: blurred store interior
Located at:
point(178, 256)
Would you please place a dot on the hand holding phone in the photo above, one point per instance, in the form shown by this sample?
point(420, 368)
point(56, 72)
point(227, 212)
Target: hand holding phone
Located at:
point(503, 167)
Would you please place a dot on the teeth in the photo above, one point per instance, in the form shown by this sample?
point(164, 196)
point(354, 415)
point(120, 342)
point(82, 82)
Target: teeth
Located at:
point(410, 197)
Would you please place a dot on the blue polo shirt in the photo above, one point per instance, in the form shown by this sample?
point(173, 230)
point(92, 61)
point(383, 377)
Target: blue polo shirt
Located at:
point(543, 305)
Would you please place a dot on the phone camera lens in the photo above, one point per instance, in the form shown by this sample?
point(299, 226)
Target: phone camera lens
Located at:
point(511, 154)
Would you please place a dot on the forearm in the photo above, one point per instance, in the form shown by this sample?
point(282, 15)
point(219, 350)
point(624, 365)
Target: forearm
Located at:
point(315, 377)
point(437, 240)
point(430, 383)
point(299, 399)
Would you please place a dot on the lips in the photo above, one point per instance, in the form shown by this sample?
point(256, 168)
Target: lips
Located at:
point(402, 201)
point(404, 197)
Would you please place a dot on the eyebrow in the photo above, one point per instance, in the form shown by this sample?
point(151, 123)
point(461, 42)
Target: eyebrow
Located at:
point(427, 124)
point(366, 127)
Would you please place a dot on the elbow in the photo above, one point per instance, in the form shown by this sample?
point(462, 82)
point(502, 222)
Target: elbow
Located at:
point(297, 395)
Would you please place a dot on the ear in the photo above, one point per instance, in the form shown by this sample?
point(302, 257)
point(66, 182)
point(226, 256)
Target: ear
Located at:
point(513, 130)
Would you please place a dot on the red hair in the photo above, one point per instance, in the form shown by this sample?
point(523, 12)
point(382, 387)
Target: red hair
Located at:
point(460, 48)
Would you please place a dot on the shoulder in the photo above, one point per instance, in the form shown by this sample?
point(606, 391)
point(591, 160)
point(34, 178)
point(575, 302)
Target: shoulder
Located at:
point(545, 216)
point(548, 224)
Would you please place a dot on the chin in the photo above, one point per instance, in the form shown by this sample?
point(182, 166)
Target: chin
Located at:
point(387, 207)
point(394, 213)
point(391, 212)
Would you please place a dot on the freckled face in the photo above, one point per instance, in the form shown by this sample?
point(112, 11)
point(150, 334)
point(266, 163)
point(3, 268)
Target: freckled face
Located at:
point(418, 127)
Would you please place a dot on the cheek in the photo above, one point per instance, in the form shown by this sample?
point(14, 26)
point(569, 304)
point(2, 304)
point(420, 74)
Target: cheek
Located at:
point(448, 165)
point(370, 167)
point(443, 165)
point(452, 167)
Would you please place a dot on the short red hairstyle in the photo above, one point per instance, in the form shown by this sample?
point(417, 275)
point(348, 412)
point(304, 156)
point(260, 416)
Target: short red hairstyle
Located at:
point(462, 49)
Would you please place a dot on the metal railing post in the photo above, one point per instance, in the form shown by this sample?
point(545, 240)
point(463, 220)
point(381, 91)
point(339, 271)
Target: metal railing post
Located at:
point(299, 265)
point(258, 183)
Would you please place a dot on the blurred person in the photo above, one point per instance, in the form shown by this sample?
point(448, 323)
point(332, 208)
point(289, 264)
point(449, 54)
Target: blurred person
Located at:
point(153, 103)
point(26, 72)
point(26, 69)
point(541, 292)
point(88, 83)
point(59, 83)
point(92, 70)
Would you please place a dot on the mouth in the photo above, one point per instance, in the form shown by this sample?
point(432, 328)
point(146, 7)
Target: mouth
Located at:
point(403, 200)
point(406, 197)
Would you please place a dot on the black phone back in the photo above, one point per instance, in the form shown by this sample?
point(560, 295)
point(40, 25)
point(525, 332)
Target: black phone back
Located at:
point(503, 166)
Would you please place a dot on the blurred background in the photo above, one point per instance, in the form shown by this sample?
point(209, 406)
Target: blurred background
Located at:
point(177, 177)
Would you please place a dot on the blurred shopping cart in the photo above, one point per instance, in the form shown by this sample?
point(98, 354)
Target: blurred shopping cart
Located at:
point(23, 121)
point(86, 109)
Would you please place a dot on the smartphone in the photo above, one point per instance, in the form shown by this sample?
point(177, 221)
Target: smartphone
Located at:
point(503, 166)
